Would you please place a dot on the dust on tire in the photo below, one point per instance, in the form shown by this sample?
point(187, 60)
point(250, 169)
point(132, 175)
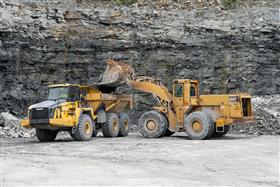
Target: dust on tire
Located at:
point(159, 121)
point(207, 125)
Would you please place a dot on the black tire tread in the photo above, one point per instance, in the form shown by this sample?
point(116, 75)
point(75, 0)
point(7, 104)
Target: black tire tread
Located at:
point(77, 135)
point(107, 127)
point(204, 117)
point(163, 124)
point(122, 118)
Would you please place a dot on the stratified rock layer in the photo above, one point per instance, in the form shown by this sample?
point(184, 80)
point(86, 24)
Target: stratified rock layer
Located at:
point(45, 42)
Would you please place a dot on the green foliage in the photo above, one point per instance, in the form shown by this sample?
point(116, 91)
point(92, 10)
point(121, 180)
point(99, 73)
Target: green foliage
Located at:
point(230, 4)
point(124, 2)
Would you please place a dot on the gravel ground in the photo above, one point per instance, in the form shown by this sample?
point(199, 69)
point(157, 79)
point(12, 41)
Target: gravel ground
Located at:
point(232, 160)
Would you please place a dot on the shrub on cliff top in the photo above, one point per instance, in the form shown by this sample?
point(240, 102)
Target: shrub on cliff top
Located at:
point(229, 4)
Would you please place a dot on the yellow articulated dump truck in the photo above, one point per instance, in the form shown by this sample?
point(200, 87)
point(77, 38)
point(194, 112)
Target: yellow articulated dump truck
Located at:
point(81, 110)
point(184, 109)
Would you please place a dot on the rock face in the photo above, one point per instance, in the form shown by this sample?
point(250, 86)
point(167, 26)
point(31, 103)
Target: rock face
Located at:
point(45, 42)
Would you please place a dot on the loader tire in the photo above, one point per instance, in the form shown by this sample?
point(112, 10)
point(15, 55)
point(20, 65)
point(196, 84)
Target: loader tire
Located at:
point(152, 124)
point(198, 126)
point(124, 124)
point(168, 133)
point(83, 131)
point(111, 127)
point(220, 134)
point(45, 135)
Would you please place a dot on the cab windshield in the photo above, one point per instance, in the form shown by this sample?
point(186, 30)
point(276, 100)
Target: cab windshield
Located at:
point(58, 93)
point(64, 93)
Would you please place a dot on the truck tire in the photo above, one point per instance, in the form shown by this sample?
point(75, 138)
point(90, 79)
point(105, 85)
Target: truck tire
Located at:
point(124, 124)
point(45, 135)
point(219, 134)
point(198, 126)
point(168, 133)
point(83, 131)
point(111, 127)
point(152, 124)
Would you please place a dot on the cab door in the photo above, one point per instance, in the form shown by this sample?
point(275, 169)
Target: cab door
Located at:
point(178, 94)
point(193, 93)
point(180, 91)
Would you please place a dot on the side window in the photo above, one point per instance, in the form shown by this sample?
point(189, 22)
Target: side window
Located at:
point(83, 94)
point(178, 90)
point(74, 93)
point(192, 90)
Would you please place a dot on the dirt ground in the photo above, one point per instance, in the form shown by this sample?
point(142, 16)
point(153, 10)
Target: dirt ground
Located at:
point(133, 160)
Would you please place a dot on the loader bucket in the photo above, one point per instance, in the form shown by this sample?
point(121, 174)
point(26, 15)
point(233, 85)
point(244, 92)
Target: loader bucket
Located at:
point(116, 73)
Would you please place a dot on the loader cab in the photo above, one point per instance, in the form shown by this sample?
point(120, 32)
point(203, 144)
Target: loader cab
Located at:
point(185, 92)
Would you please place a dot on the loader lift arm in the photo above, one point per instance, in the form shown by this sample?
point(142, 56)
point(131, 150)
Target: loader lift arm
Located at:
point(117, 73)
point(161, 94)
point(153, 86)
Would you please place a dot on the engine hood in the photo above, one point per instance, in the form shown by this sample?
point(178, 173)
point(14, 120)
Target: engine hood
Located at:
point(45, 104)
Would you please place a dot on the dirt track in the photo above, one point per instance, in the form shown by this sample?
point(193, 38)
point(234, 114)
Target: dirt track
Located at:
point(176, 160)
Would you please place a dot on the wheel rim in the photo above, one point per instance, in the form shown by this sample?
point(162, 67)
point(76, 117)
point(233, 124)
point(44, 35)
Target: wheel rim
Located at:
point(126, 125)
point(196, 126)
point(87, 128)
point(151, 125)
point(115, 125)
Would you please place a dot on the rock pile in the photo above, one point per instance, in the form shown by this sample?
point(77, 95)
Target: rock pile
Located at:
point(267, 113)
point(10, 127)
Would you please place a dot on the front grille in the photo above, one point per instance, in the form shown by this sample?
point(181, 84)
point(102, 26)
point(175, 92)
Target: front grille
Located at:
point(40, 113)
point(246, 107)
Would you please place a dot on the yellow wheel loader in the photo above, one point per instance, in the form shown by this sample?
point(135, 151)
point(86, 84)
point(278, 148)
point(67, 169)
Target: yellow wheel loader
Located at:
point(81, 110)
point(201, 116)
